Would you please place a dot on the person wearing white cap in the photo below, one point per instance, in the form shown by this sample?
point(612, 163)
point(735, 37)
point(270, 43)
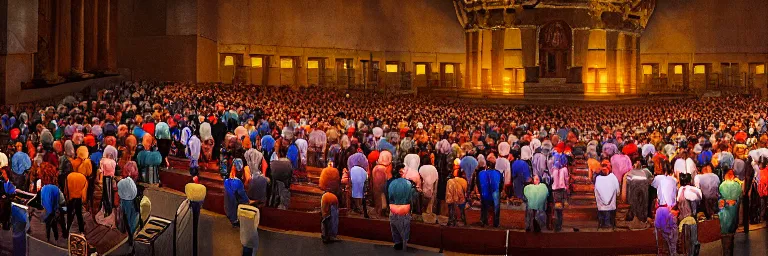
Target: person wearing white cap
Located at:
point(503, 165)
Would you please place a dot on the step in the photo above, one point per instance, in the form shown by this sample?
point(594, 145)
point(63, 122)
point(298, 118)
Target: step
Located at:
point(583, 188)
point(313, 178)
point(314, 170)
point(579, 179)
point(583, 197)
point(580, 172)
point(306, 189)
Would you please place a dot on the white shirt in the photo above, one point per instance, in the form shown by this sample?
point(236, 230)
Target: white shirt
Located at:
point(606, 190)
point(690, 193)
point(666, 189)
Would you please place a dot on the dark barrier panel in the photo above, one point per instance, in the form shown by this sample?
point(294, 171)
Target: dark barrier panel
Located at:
point(478, 241)
point(709, 231)
point(289, 220)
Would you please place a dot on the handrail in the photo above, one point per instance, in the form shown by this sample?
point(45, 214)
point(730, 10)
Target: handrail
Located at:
point(184, 205)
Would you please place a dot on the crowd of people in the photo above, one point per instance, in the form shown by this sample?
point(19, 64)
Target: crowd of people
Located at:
point(676, 161)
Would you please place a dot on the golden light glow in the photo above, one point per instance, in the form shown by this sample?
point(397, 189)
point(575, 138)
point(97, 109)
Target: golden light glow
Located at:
point(391, 68)
point(449, 68)
point(699, 69)
point(603, 74)
point(760, 69)
point(345, 65)
point(286, 63)
point(229, 61)
point(256, 62)
point(421, 69)
point(678, 69)
point(647, 70)
point(313, 64)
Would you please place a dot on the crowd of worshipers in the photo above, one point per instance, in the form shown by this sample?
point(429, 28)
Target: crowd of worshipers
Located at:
point(400, 155)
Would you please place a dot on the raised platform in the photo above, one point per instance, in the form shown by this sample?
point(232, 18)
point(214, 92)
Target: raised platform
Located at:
point(303, 215)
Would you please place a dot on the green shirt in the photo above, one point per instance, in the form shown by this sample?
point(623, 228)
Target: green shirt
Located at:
point(730, 190)
point(536, 195)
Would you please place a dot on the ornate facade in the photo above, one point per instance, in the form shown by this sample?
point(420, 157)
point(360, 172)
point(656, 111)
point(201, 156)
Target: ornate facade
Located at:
point(586, 47)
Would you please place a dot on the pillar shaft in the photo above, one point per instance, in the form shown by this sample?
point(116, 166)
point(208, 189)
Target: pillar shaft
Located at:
point(102, 41)
point(111, 54)
point(78, 35)
point(91, 34)
point(64, 37)
point(468, 81)
point(497, 59)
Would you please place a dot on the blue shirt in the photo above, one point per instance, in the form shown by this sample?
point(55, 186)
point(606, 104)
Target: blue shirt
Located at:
point(489, 181)
point(357, 176)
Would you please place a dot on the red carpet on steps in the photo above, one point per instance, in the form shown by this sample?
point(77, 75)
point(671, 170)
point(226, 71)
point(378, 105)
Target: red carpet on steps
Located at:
point(456, 239)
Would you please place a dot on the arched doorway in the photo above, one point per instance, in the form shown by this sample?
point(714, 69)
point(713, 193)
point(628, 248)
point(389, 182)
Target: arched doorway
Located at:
point(554, 49)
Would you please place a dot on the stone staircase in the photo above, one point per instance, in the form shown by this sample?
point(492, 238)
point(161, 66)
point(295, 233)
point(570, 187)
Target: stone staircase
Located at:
point(583, 191)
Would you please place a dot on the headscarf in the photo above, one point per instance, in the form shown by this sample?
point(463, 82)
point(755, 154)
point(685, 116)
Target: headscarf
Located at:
point(205, 131)
point(385, 158)
point(357, 159)
point(162, 131)
point(504, 149)
point(268, 143)
point(412, 162)
point(147, 140)
point(526, 153)
point(648, 150)
point(82, 152)
point(110, 152)
point(377, 132)
point(126, 189)
point(69, 149)
point(468, 164)
point(238, 164)
point(20, 163)
point(130, 170)
point(58, 147)
point(3, 160)
point(241, 132)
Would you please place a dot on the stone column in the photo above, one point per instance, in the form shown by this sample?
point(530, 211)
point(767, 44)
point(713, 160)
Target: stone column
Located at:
point(91, 34)
point(497, 59)
point(112, 53)
point(468, 81)
point(78, 35)
point(64, 37)
point(102, 41)
point(530, 50)
point(477, 42)
point(637, 69)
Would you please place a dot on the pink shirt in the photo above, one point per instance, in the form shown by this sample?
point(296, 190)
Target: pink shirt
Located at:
point(401, 210)
point(560, 178)
point(107, 166)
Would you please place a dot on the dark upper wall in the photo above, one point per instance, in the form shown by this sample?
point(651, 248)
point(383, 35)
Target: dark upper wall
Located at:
point(158, 39)
point(381, 25)
point(707, 26)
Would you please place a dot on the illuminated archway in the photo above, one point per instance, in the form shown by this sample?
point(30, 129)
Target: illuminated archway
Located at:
point(554, 49)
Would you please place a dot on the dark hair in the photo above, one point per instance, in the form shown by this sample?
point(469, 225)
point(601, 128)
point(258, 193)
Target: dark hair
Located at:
point(685, 179)
point(396, 170)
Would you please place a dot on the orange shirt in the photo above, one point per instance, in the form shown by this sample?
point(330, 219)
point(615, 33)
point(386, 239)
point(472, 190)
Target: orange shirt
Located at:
point(762, 187)
point(77, 186)
point(75, 163)
point(328, 200)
